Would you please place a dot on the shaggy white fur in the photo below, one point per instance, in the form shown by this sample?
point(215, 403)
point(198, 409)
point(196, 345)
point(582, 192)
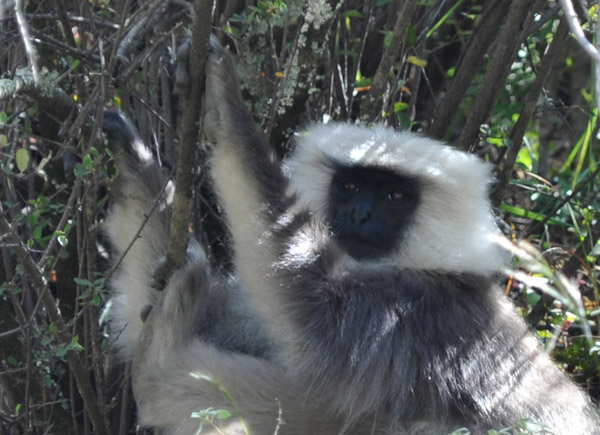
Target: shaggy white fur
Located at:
point(454, 193)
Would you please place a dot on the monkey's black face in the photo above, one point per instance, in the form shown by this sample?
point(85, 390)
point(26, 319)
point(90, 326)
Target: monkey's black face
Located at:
point(369, 209)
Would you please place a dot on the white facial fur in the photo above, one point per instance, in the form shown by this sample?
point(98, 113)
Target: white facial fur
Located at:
point(453, 221)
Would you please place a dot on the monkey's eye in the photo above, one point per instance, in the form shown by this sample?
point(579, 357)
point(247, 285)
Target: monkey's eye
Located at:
point(396, 196)
point(350, 186)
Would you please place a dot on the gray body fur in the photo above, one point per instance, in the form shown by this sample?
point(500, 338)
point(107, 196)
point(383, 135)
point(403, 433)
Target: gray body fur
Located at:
point(314, 342)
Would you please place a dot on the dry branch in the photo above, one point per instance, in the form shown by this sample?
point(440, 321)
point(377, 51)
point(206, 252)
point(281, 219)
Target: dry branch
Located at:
point(374, 104)
point(510, 39)
point(76, 365)
point(468, 66)
point(519, 129)
point(50, 97)
point(179, 234)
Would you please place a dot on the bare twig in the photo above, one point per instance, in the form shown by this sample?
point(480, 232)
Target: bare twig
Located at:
point(373, 104)
point(155, 12)
point(588, 47)
point(280, 90)
point(64, 21)
point(518, 131)
point(50, 97)
point(77, 367)
point(27, 41)
point(469, 64)
point(536, 225)
point(509, 40)
point(179, 234)
point(573, 21)
point(158, 200)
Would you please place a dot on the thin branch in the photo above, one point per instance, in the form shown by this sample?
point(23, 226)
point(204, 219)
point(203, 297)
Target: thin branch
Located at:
point(158, 200)
point(536, 225)
point(29, 48)
point(179, 234)
point(373, 104)
point(468, 65)
point(64, 21)
point(587, 46)
point(510, 38)
point(77, 367)
point(581, 253)
point(154, 13)
point(573, 21)
point(280, 90)
point(52, 98)
point(519, 129)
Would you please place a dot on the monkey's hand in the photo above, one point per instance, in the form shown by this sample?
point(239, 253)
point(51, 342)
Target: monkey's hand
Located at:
point(175, 318)
point(226, 117)
point(182, 71)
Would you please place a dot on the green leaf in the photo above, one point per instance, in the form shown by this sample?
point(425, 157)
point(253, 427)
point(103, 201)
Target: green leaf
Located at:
point(411, 35)
point(353, 13)
point(22, 158)
point(222, 414)
point(80, 170)
point(87, 162)
point(96, 301)
point(400, 106)
point(444, 18)
point(521, 212)
point(524, 158)
point(83, 282)
point(3, 141)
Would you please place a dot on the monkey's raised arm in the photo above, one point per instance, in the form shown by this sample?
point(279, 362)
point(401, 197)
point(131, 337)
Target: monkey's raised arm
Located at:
point(252, 189)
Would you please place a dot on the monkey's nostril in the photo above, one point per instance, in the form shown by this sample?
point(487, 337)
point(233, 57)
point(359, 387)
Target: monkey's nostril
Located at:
point(360, 215)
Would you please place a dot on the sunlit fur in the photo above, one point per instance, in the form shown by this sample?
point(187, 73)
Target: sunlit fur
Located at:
point(305, 340)
point(453, 221)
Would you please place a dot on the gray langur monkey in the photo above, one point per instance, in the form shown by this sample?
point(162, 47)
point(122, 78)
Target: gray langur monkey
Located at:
point(363, 299)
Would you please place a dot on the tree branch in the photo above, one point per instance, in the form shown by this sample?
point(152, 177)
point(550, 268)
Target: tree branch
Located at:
point(510, 39)
point(519, 129)
point(373, 104)
point(50, 97)
point(468, 65)
point(79, 371)
point(179, 234)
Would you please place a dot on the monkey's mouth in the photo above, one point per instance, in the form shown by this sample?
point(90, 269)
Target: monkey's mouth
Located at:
point(358, 247)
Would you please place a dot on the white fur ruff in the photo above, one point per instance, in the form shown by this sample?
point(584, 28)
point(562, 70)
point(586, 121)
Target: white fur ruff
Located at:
point(454, 220)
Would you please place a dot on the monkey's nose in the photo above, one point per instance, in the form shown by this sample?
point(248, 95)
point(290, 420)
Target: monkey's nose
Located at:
point(361, 214)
